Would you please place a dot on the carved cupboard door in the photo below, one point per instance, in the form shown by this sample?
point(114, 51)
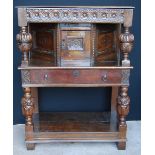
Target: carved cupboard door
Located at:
point(75, 48)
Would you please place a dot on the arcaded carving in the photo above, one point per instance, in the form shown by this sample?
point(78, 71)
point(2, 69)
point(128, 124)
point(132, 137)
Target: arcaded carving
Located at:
point(75, 15)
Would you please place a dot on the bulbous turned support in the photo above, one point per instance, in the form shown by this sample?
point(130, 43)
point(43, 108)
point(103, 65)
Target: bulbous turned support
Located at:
point(27, 106)
point(126, 45)
point(24, 42)
point(123, 102)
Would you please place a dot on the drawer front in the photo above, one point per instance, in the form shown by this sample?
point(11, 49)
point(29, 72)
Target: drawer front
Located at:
point(73, 76)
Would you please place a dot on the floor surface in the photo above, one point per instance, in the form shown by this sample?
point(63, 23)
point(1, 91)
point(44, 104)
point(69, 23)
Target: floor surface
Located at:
point(133, 145)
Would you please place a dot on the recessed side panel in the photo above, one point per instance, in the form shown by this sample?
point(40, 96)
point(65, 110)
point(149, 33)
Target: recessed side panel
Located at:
point(106, 44)
point(44, 43)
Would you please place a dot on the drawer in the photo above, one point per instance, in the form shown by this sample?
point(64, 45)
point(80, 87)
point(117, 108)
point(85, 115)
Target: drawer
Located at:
point(75, 76)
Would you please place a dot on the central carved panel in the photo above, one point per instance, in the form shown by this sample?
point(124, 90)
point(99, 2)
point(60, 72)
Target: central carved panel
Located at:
point(75, 44)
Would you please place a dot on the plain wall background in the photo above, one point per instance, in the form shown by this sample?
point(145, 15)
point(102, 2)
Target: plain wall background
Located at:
point(81, 99)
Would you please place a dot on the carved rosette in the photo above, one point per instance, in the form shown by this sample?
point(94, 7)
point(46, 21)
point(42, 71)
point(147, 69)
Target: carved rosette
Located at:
point(24, 42)
point(126, 45)
point(27, 106)
point(123, 105)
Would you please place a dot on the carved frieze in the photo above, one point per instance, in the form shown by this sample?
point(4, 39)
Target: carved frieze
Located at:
point(96, 15)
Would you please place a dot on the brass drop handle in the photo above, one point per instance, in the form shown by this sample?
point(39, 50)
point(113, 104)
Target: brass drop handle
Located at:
point(46, 77)
point(104, 77)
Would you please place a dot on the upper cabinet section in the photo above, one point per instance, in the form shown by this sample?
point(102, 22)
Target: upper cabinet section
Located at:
point(75, 36)
point(75, 14)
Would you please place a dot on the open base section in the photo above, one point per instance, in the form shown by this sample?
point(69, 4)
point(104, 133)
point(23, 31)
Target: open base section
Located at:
point(74, 127)
point(73, 122)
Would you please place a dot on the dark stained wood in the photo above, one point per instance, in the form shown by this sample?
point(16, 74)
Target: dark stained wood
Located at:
point(123, 102)
point(74, 76)
point(74, 126)
point(113, 118)
point(44, 40)
point(76, 137)
point(73, 122)
point(30, 146)
point(27, 106)
point(24, 42)
point(75, 45)
point(105, 43)
point(34, 93)
point(43, 66)
point(44, 43)
point(48, 62)
point(28, 110)
point(121, 145)
point(60, 51)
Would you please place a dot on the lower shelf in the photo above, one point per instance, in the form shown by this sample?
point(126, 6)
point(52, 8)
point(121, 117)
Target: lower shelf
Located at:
point(72, 122)
point(74, 127)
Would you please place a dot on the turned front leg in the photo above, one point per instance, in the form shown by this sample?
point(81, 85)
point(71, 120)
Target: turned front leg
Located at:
point(126, 45)
point(27, 106)
point(123, 102)
point(28, 110)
